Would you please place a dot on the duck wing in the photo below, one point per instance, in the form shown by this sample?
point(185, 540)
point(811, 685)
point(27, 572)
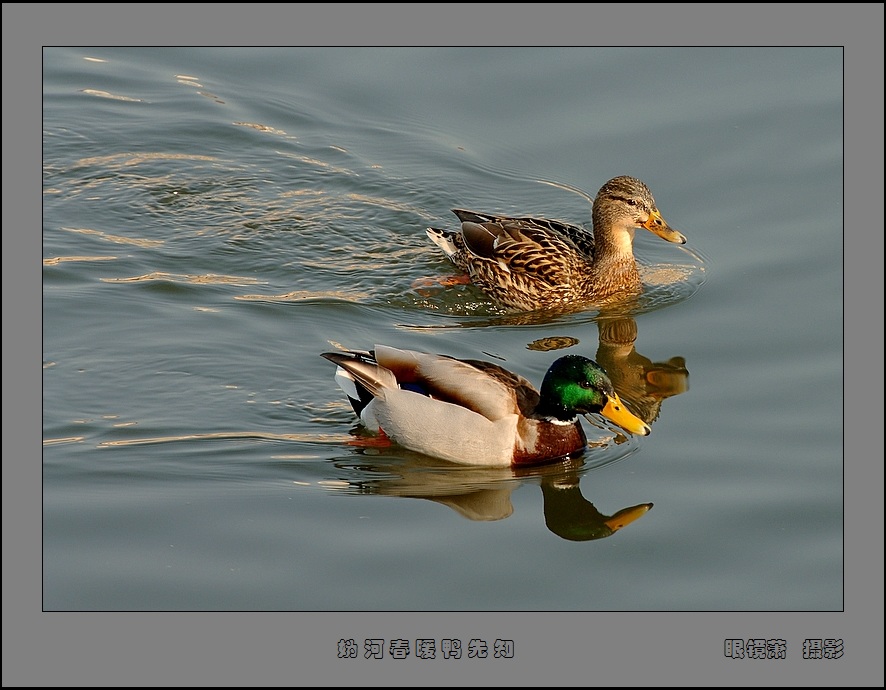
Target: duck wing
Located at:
point(481, 387)
point(484, 233)
point(524, 393)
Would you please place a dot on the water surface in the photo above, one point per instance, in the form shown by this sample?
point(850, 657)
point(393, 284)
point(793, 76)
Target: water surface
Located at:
point(214, 219)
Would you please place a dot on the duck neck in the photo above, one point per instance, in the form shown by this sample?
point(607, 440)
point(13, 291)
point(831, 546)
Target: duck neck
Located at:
point(540, 440)
point(613, 269)
point(551, 410)
point(613, 241)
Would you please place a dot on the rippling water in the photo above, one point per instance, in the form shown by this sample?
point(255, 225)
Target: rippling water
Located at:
point(214, 219)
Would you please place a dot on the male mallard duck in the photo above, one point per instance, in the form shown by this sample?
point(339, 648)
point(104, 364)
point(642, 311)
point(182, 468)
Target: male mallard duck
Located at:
point(534, 263)
point(474, 412)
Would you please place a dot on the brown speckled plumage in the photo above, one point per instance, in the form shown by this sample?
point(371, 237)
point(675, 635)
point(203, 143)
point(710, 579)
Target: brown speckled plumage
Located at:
point(534, 263)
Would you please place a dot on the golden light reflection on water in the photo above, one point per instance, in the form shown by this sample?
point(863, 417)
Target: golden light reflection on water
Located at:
point(664, 274)
point(318, 163)
point(326, 439)
point(210, 96)
point(205, 279)
point(112, 96)
point(303, 192)
point(54, 261)
point(60, 441)
point(121, 159)
point(384, 203)
point(300, 295)
point(262, 128)
point(187, 80)
point(117, 239)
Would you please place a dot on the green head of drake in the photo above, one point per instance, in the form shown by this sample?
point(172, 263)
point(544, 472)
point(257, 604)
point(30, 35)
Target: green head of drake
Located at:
point(577, 385)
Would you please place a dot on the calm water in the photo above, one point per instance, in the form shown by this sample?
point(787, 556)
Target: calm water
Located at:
point(213, 219)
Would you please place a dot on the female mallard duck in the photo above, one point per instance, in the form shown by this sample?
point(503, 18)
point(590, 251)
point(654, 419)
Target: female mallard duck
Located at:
point(533, 263)
point(474, 412)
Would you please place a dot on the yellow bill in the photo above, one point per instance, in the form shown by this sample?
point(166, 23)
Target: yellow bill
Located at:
point(658, 225)
point(616, 412)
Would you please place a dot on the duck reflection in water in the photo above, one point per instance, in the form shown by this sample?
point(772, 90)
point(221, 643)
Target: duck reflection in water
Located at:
point(484, 494)
point(642, 383)
point(570, 515)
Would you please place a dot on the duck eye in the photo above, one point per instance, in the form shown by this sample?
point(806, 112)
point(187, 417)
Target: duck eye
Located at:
point(584, 384)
